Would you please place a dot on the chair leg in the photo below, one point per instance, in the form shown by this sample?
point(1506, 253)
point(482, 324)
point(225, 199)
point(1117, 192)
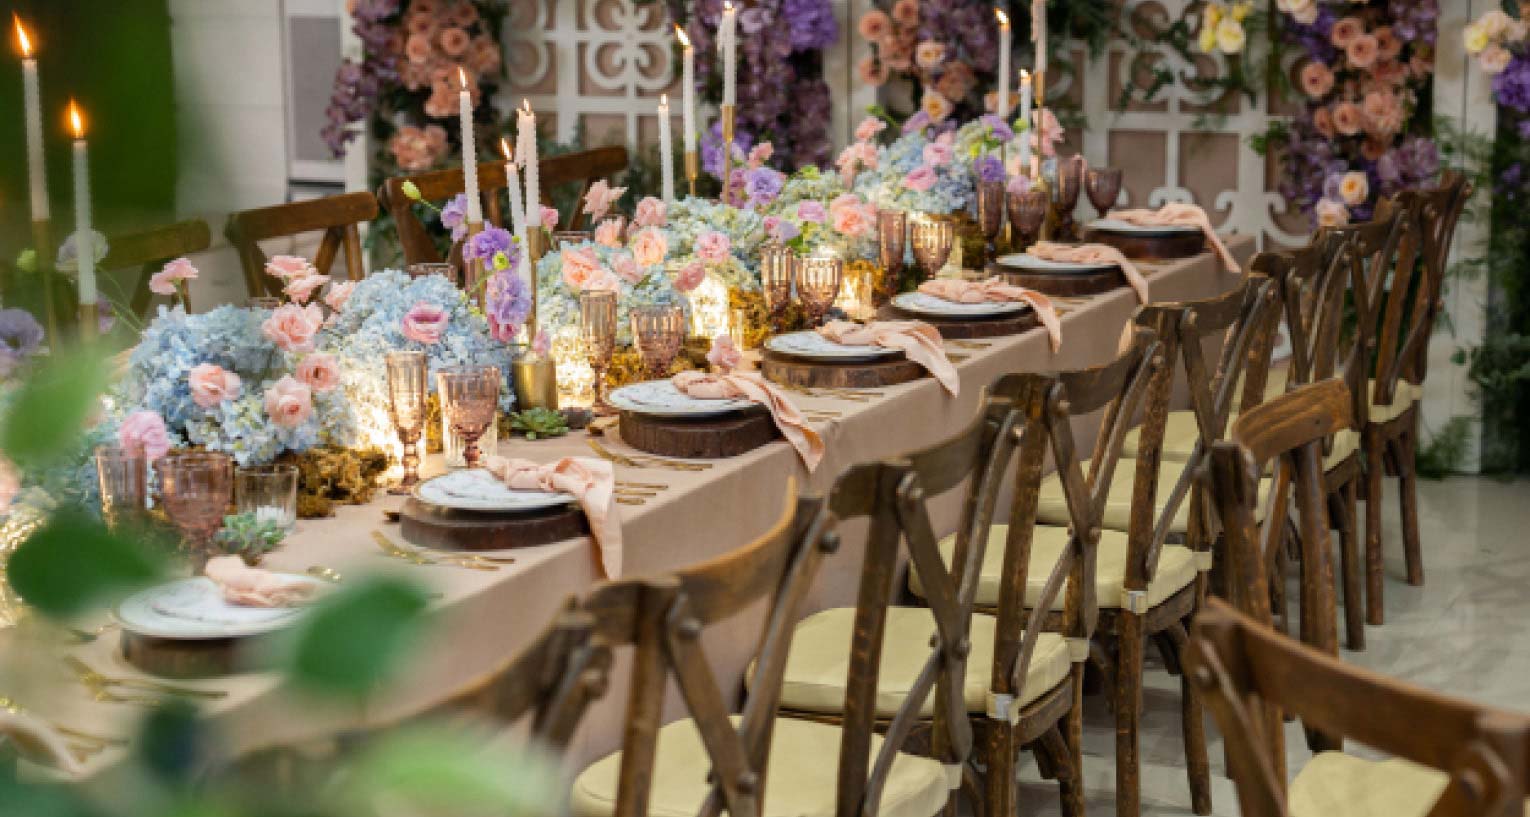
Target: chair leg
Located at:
point(1373, 567)
point(1193, 724)
point(1128, 715)
point(1073, 789)
point(1407, 494)
point(1341, 508)
point(1000, 763)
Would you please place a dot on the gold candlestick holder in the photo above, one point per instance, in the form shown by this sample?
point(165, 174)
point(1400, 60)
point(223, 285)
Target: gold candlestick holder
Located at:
point(692, 170)
point(88, 318)
point(43, 247)
point(727, 134)
point(536, 247)
point(472, 271)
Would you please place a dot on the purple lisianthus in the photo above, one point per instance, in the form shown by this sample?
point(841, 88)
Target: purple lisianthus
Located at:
point(454, 216)
point(20, 335)
point(811, 24)
point(762, 185)
point(712, 148)
point(494, 247)
point(507, 299)
point(998, 127)
point(1512, 86)
point(918, 122)
point(989, 168)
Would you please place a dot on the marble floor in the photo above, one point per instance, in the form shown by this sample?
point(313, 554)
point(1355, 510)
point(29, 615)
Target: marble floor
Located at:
point(1463, 632)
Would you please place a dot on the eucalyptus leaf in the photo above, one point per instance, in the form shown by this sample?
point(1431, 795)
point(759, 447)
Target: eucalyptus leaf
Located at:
point(429, 770)
point(73, 563)
point(354, 639)
point(51, 408)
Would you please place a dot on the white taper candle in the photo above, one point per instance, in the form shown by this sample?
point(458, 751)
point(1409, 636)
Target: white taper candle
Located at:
point(727, 40)
point(1001, 99)
point(666, 151)
point(527, 124)
point(469, 152)
point(688, 86)
point(83, 235)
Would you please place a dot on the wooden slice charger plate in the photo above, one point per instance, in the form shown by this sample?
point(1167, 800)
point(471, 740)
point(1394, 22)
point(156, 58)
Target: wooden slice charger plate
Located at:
point(1166, 247)
point(436, 526)
point(796, 371)
point(699, 438)
point(1060, 284)
point(966, 328)
point(197, 658)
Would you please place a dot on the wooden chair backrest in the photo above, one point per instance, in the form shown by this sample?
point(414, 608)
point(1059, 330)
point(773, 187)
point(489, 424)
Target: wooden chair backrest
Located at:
point(1289, 431)
point(581, 168)
point(1238, 317)
point(663, 619)
point(1243, 666)
point(1047, 403)
point(338, 216)
point(892, 494)
point(149, 250)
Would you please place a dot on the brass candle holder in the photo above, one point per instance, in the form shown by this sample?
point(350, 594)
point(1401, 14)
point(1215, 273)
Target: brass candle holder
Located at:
point(43, 247)
point(536, 247)
point(692, 170)
point(534, 379)
point(472, 271)
point(727, 135)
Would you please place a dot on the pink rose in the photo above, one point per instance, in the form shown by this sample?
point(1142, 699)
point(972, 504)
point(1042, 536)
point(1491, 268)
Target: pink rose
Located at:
point(1392, 72)
point(549, 217)
point(651, 212)
point(287, 267)
point(211, 385)
point(1362, 51)
point(871, 71)
point(292, 327)
point(580, 267)
point(1322, 120)
point(724, 355)
point(339, 294)
point(811, 211)
point(898, 56)
point(1387, 43)
point(691, 276)
point(626, 267)
point(869, 128)
point(650, 246)
point(1317, 80)
point(929, 55)
point(875, 25)
point(906, 12)
point(1382, 112)
point(920, 179)
point(425, 323)
point(301, 288)
point(455, 41)
point(599, 198)
point(288, 402)
point(319, 371)
point(760, 154)
point(418, 149)
point(937, 154)
point(1345, 30)
point(609, 233)
point(936, 105)
point(1346, 118)
point(164, 282)
point(849, 216)
point(143, 432)
point(713, 247)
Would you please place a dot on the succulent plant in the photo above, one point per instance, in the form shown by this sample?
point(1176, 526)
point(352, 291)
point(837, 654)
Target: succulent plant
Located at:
point(539, 422)
point(248, 537)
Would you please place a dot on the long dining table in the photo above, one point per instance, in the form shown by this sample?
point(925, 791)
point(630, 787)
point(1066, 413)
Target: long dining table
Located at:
point(481, 617)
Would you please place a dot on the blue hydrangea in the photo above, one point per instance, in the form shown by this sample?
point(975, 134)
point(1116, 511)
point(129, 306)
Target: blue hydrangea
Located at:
point(884, 187)
point(558, 303)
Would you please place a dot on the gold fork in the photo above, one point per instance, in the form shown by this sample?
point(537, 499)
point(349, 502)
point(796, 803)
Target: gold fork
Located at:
point(96, 680)
point(416, 557)
point(644, 460)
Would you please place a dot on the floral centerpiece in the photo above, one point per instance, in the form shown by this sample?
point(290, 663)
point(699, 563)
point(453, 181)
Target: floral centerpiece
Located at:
point(919, 171)
point(690, 218)
point(1501, 45)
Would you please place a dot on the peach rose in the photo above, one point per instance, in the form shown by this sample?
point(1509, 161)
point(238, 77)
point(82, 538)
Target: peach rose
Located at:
point(289, 403)
point(1390, 72)
point(1346, 118)
point(650, 246)
point(713, 247)
point(1387, 43)
point(651, 212)
point(143, 432)
point(691, 276)
point(1317, 80)
point(455, 41)
point(417, 49)
point(875, 25)
point(484, 57)
point(871, 72)
point(301, 288)
point(1383, 112)
point(164, 282)
point(1322, 120)
point(869, 128)
point(580, 267)
point(1345, 30)
point(1354, 188)
point(897, 56)
point(212, 384)
point(1362, 51)
point(320, 371)
point(609, 233)
point(625, 267)
point(906, 12)
point(462, 13)
point(849, 216)
point(600, 197)
point(292, 327)
point(1331, 213)
point(287, 267)
point(339, 294)
point(426, 322)
point(1494, 59)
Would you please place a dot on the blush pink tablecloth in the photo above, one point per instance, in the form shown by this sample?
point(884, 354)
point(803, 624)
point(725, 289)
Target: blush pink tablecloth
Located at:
point(483, 616)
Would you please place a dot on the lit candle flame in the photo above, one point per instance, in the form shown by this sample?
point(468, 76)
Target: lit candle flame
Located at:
point(526, 104)
point(462, 78)
point(663, 100)
point(1003, 18)
point(504, 147)
point(21, 36)
point(685, 41)
point(1025, 77)
point(76, 122)
point(728, 7)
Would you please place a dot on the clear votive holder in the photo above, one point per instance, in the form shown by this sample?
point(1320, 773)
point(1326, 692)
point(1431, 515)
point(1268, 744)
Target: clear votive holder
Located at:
point(124, 481)
point(269, 492)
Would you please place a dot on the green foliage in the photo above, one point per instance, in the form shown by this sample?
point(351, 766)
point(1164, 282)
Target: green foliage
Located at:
point(1446, 451)
point(1272, 138)
point(352, 641)
point(50, 409)
point(539, 422)
point(248, 537)
point(73, 563)
point(425, 771)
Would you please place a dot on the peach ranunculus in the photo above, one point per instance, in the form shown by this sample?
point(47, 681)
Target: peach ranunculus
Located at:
point(1494, 59)
point(600, 197)
point(1345, 30)
point(1354, 188)
point(462, 14)
point(320, 371)
point(580, 267)
point(713, 247)
point(426, 322)
point(875, 25)
point(339, 294)
point(690, 277)
point(1331, 213)
point(211, 384)
point(1362, 51)
point(292, 328)
point(484, 56)
point(287, 267)
point(454, 41)
point(650, 246)
point(1322, 120)
point(724, 354)
point(872, 71)
point(920, 179)
point(1317, 80)
point(936, 106)
point(869, 128)
point(166, 280)
point(609, 232)
point(850, 216)
point(651, 212)
point(1346, 118)
point(626, 267)
point(1383, 113)
point(417, 149)
point(289, 403)
point(1390, 72)
point(143, 432)
point(1387, 43)
point(929, 54)
point(301, 288)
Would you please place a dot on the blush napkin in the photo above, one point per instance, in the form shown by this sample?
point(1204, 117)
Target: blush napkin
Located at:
point(1186, 215)
point(590, 481)
point(1092, 254)
point(252, 587)
point(753, 386)
point(996, 291)
point(918, 340)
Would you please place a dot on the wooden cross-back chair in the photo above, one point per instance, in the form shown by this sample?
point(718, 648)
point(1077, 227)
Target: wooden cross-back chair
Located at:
point(338, 216)
point(1451, 757)
point(581, 169)
point(149, 250)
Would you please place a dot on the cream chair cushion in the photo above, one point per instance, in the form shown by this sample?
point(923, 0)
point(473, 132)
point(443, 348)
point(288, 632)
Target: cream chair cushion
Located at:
point(1176, 567)
point(801, 779)
point(1334, 784)
point(1403, 397)
point(1179, 435)
point(1052, 510)
point(819, 662)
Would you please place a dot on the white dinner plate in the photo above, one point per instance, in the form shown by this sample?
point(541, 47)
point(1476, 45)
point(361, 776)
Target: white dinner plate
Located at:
point(1112, 225)
point(813, 346)
point(660, 398)
point(477, 490)
point(921, 303)
point(1031, 263)
point(194, 609)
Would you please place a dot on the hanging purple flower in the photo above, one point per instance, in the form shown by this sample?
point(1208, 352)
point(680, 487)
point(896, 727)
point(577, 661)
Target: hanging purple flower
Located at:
point(507, 304)
point(989, 168)
point(998, 127)
point(453, 216)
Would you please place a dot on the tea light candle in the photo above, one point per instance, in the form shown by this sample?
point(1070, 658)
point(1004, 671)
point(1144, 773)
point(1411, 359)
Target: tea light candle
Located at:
point(666, 151)
point(469, 151)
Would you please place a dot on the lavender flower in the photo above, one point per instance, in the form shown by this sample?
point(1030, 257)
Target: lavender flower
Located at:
point(1000, 129)
point(507, 300)
point(763, 185)
point(454, 216)
point(494, 246)
point(1512, 86)
point(712, 148)
point(989, 168)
